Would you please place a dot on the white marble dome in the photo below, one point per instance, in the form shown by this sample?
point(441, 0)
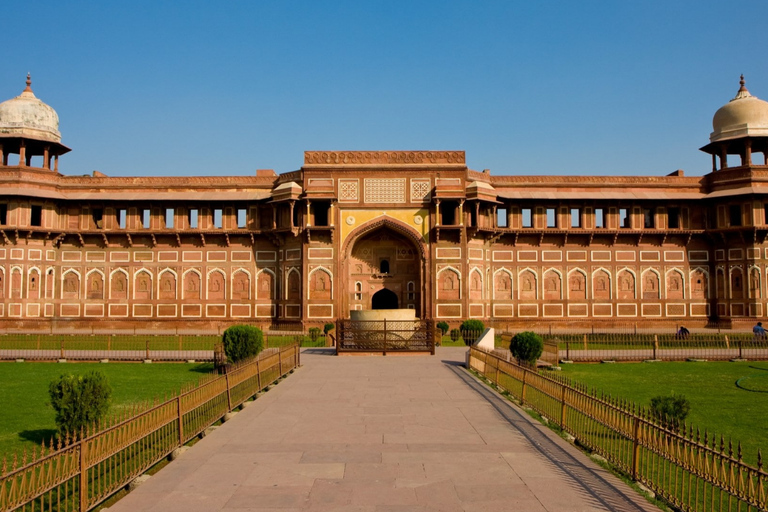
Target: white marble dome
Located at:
point(28, 117)
point(743, 116)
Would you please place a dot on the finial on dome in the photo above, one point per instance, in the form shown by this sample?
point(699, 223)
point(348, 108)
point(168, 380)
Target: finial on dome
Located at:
point(743, 92)
point(29, 83)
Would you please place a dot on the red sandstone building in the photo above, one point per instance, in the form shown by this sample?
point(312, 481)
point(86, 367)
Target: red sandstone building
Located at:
point(395, 229)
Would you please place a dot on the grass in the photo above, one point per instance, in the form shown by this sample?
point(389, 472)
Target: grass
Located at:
point(27, 419)
point(717, 403)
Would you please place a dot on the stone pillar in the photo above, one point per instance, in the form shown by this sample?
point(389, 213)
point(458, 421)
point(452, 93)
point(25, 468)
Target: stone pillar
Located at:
point(2, 156)
point(747, 152)
point(309, 217)
point(291, 214)
point(274, 217)
point(438, 220)
point(331, 219)
point(56, 163)
point(22, 153)
point(495, 220)
point(723, 158)
point(461, 212)
point(714, 162)
point(46, 157)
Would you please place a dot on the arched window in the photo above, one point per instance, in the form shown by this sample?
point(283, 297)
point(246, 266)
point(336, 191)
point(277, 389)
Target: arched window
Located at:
point(384, 267)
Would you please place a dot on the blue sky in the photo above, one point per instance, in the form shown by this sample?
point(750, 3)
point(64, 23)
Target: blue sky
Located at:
point(224, 88)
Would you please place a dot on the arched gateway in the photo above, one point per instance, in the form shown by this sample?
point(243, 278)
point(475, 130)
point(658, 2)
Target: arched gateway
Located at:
point(384, 268)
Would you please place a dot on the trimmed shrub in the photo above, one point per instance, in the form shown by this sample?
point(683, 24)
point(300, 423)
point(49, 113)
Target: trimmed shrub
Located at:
point(471, 330)
point(242, 341)
point(670, 409)
point(314, 333)
point(80, 401)
point(455, 334)
point(328, 327)
point(526, 347)
point(443, 326)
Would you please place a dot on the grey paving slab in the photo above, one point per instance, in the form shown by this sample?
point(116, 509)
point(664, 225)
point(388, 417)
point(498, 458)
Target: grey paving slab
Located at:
point(382, 434)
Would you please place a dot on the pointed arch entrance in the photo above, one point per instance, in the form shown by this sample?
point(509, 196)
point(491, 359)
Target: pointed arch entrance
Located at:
point(384, 260)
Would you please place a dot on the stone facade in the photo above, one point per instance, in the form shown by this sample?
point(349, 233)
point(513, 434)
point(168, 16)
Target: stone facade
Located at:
point(354, 230)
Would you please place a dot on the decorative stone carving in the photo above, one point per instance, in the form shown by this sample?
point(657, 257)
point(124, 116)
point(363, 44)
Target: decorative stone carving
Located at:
point(383, 157)
point(552, 286)
point(168, 286)
point(577, 286)
point(448, 285)
point(241, 286)
point(503, 286)
point(216, 286)
point(95, 286)
point(699, 285)
point(70, 286)
point(527, 286)
point(191, 289)
point(674, 286)
point(384, 190)
point(33, 286)
point(626, 285)
point(420, 190)
point(294, 286)
point(601, 286)
point(320, 285)
point(119, 286)
point(349, 190)
point(650, 286)
point(143, 286)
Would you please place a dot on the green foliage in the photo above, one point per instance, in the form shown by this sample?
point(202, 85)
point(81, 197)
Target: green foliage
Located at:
point(443, 326)
point(314, 333)
point(455, 334)
point(526, 347)
point(673, 409)
point(328, 327)
point(471, 330)
point(242, 342)
point(79, 400)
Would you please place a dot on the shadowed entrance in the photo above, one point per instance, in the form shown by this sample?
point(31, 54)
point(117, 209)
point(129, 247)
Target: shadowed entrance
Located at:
point(384, 299)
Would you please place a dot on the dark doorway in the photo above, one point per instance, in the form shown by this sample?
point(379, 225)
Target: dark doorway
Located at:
point(384, 299)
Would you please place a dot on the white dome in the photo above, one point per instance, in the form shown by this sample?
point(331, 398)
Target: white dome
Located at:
point(744, 116)
point(28, 117)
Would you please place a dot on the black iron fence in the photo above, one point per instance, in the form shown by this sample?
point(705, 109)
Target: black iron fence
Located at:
point(386, 336)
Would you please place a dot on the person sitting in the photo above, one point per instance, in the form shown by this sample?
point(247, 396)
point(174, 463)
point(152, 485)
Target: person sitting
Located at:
point(758, 330)
point(683, 333)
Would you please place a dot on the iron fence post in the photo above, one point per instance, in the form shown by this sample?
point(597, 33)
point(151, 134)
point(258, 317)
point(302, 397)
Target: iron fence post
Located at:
point(229, 394)
point(635, 446)
point(567, 350)
point(740, 357)
point(562, 407)
point(181, 420)
point(61, 346)
point(280, 361)
point(522, 393)
point(258, 374)
point(147, 351)
point(83, 477)
point(655, 344)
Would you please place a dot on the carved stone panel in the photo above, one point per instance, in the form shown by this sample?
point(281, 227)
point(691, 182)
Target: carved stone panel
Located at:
point(737, 284)
point(527, 285)
point(241, 286)
point(71, 286)
point(216, 286)
point(699, 285)
point(601, 286)
point(16, 283)
point(475, 286)
point(674, 286)
point(95, 286)
point(142, 286)
point(320, 285)
point(119, 286)
point(503, 286)
point(650, 286)
point(448, 285)
point(191, 288)
point(294, 286)
point(168, 286)
point(552, 286)
point(577, 286)
point(626, 285)
point(266, 286)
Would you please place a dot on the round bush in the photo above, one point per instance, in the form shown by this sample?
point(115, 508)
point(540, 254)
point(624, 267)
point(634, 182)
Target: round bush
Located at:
point(670, 409)
point(328, 327)
point(80, 401)
point(443, 326)
point(455, 334)
point(526, 346)
point(314, 333)
point(242, 341)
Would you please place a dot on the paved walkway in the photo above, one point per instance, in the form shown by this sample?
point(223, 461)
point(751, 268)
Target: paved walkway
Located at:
point(382, 434)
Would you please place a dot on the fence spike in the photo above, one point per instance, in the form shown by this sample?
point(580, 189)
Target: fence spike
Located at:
point(24, 457)
point(4, 467)
point(759, 459)
point(730, 448)
point(739, 451)
point(15, 461)
point(722, 444)
point(34, 453)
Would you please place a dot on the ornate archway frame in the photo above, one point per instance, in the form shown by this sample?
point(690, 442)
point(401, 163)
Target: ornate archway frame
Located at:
point(401, 228)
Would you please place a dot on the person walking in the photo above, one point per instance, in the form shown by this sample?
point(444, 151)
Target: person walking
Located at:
point(758, 330)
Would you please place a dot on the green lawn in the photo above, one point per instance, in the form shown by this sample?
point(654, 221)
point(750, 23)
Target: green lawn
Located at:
point(717, 404)
point(27, 419)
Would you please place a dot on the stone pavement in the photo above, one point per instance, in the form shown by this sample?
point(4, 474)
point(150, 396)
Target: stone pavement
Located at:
point(375, 433)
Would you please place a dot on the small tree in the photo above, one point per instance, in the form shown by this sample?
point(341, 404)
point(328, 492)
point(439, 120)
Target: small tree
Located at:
point(443, 326)
point(328, 327)
point(526, 347)
point(80, 401)
point(471, 330)
point(314, 333)
point(672, 409)
point(242, 341)
point(455, 334)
